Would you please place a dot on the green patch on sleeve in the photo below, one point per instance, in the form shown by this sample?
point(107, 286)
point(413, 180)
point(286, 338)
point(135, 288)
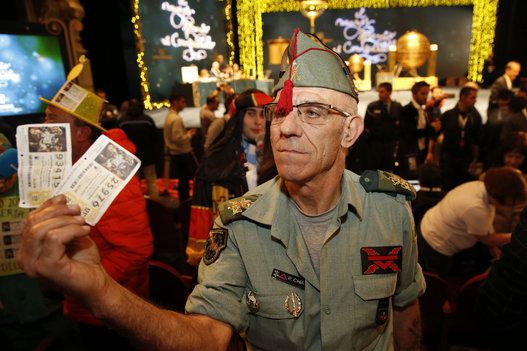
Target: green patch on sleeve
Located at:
point(232, 210)
point(386, 182)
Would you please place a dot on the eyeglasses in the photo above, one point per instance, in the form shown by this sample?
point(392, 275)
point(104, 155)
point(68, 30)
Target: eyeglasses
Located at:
point(310, 113)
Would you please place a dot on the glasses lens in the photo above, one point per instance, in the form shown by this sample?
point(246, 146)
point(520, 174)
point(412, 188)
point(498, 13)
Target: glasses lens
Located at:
point(313, 113)
point(309, 113)
point(270, 115)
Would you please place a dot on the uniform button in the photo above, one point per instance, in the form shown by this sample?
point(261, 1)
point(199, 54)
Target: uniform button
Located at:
point(327, 310)
point(367, 180)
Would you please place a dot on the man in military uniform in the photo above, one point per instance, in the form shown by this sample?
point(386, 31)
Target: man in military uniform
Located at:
point(316, 258)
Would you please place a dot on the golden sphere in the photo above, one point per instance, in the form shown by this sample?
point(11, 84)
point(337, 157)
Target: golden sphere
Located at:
point(413, 49)
point(356, 63)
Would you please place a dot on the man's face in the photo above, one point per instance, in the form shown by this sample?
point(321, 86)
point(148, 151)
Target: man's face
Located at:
point(303, 151)
point(56, 115)
point(469, 100)
point(180, 104)
point(421, 95)
point(384, 94)
point(253, 123)
point(513, 159)
point(215, 104)
point(513, 71)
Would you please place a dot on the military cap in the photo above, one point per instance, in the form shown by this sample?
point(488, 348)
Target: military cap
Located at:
point(307, 62)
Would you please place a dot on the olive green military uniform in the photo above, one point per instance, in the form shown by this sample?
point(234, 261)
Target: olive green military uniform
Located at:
point(340, 310)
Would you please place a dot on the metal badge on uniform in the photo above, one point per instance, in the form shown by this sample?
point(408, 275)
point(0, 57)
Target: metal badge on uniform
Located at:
point(290, 279)
point(381, 259)
point(293, 304)
point(216, 242)
point(382, 311)
point(252, 302)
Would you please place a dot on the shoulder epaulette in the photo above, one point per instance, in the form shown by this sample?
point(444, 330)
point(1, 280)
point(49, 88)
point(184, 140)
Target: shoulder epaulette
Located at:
point(386, 182)
point(232, 210)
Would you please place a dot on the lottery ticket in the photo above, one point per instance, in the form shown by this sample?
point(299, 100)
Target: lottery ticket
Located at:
point(97, 178)
point(44, 156)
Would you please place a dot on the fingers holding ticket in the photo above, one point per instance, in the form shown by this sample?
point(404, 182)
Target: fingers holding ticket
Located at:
point(49, 233)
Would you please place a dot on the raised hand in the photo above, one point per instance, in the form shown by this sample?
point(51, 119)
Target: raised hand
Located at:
point(56, 249)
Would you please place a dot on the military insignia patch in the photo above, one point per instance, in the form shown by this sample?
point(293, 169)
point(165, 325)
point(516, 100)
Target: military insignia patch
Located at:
point(397, 181)
point(381, 259)
point(216, 242)
point(381, 181)
point(232, 210)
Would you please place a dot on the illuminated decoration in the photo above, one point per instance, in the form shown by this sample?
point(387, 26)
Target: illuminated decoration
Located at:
point(250, 29)
point(143, 70)
point(431, 69)
point(312, 9)
point(141, 64)
point(356, 64)
point(372, 46)
point(413, 50)
point(189, 74)
point(196, 39)
point(230, 33)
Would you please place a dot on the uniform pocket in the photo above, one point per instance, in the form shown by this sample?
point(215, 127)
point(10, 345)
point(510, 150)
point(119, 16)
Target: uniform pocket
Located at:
point(375, 287)
point(272, 327)
point(273, 306)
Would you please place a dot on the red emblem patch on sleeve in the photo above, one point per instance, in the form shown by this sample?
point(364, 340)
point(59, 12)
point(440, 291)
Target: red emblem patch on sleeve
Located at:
point(381, 259)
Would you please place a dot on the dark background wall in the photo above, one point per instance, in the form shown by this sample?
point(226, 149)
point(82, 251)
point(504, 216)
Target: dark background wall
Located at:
point(109, 39)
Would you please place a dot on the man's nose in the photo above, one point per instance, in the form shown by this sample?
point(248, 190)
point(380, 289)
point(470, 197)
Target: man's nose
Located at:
point(291, 124)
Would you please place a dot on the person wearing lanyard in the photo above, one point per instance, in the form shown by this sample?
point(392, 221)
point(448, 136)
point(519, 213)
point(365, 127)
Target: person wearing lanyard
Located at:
point(461, 128)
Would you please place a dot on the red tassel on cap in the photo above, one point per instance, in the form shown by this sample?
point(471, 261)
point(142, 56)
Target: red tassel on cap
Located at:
point(285, 103)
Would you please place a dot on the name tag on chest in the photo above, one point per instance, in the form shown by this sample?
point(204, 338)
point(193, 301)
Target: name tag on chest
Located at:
point(290, 279)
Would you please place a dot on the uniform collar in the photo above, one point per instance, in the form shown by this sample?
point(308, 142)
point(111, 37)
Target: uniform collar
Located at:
point(273, 202)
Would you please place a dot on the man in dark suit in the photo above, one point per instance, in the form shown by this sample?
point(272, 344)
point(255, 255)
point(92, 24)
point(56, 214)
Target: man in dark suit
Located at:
point(512, 70)
point(461, 127)
point(381, 129)
point(416, 130)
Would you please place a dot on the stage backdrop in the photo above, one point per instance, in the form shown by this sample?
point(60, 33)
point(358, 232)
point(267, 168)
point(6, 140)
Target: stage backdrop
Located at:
point(176, 33)
point(369, 32)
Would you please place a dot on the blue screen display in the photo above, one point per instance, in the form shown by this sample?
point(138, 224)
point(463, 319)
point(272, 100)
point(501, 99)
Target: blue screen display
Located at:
point(31, 66)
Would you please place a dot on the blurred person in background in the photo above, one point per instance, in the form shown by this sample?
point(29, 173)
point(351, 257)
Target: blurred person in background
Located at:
point(381, 129)
point(228, 169)
point(141, 130)
point(463, 218)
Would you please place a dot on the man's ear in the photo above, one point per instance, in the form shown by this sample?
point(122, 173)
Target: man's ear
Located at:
point(353, 127)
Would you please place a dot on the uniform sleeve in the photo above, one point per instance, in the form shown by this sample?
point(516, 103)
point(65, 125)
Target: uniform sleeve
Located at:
point(411, 283)
point(125, 227)
point(221, 286)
